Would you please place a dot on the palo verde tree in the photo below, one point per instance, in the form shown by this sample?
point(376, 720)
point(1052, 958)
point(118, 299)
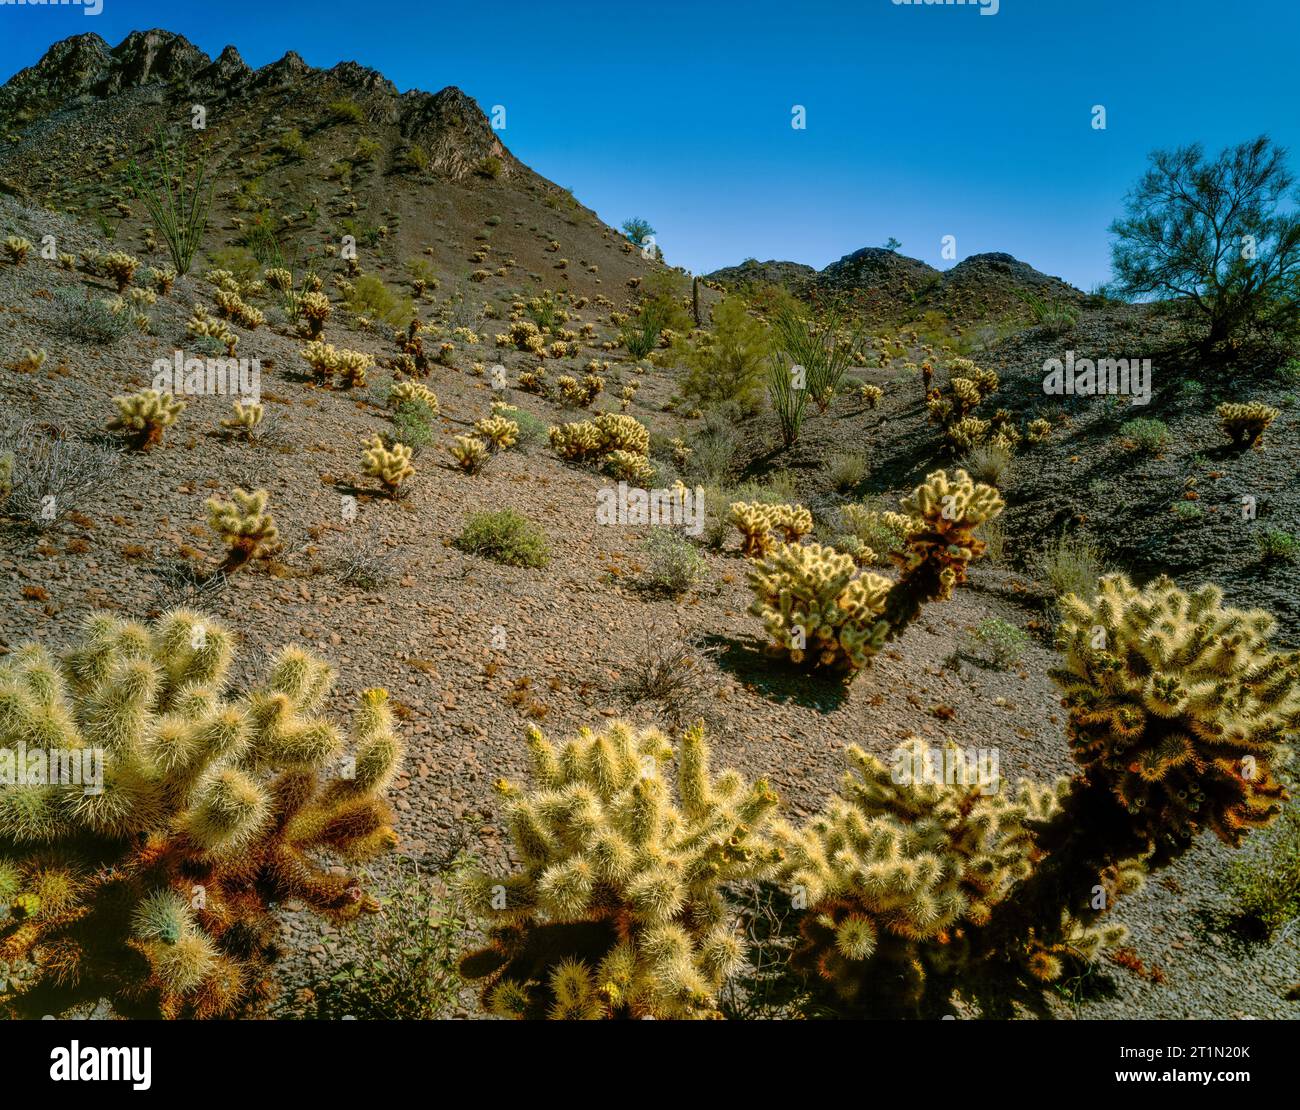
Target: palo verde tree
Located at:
point(1217, 233)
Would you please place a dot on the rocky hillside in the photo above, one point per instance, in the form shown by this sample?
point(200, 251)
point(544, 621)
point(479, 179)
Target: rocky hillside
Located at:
point(302, 158)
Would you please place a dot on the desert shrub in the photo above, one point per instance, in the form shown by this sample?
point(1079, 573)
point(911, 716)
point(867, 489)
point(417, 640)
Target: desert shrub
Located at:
point(675, 673)
point(637, 230)
point(848, 470)
point(344, 110)
point(505, 536)
point(177, 193)
point(989, 463)
point(1146, 435)
point(726, 363)
point(1005, 643)
point(820, 342)
point(1071, 564)
point(1278, 545)
point(405, 955)
point(1054, 317)
point(490, 167)
point(89, 318)
point(49, 478)
point(413, 424)
point(714, 448)
point(373, 299)
point(1266, 885)
point(673, 565)
point(789, 397)
point(204, 790)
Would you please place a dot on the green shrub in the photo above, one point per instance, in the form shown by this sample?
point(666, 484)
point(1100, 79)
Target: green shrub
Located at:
point(373, 299)
point(1148, 436)
point(1266, 885)
point(490, 167)
point(405, 965)
point(89, 319)
point(1277, 545)
point(1188, 511)
point(848, 470)
point(345, 111)
point(1004, 642)
point(989, 463)
point(1289, 371)
point(413, 424)
point(725, 364)
point(673, 564)
point(1071, 564)
point(505, 536)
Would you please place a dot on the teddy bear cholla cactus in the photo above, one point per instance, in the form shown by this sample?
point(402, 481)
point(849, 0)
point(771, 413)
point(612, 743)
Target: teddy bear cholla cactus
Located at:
point(404, 392)
point(201, 324)
point(1246, 424)
point(817, 608)
point(610, 431)
point(233, 307)
point(758, 521)
point(244, 419)
point(326, 360)
point(244, 525)
point(1178, 707)
point(120, 267)
point(899, 868)
point(392, 466)
point(279, 279)
point(617, 911)
point(469, 453)
point(17, 248)
point(315, 308)
point(627, 466)
point(145, 416)
point(157, 892)
point(871, 395)
point(498, 431)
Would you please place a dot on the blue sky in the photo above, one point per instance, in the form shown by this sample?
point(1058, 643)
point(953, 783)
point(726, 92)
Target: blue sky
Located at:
point(922, 121)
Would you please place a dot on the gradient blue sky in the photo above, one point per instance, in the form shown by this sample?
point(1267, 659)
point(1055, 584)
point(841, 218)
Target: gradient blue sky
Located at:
point(923, 121)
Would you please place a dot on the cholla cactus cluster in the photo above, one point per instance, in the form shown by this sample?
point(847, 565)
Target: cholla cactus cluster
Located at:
point(279, 279)
point(580, 394)
point(161, 279)
point(120, 267)
point(1038, 431)
point(244, 419)
point(1245, 424)
point(17, 248)
point(874, 536)
point(1178, 707)
point(817, 608)
point(469, 453)
point(315, 308)
point(900, 866)
point(201, 324)
point(392, 466)
point(968, 387)
point(523, 335)
point(497, 431)
point(628, 466)
point(326, 360)
point(406, 392)
point(591, 439)
point(948, 510)
point(758, 522)
point(617, 911)
point(143, 417)
point(233, 307)
point(157, 891)
point(244, 525)
point(872, 395)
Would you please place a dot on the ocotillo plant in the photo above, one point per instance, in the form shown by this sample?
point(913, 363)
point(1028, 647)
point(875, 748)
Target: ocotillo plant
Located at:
point(154, 888)
point(177, 194)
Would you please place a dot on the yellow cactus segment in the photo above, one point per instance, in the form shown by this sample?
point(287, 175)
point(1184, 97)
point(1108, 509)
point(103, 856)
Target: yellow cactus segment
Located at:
point(243, 524)
point(144, 416)
point(392, 466)
point(816, 610)
point(618, 910)
point(1246, 424)
point(1178, 706)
